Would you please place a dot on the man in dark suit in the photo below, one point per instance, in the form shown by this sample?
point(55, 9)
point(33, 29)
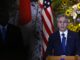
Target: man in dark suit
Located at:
point(11, 43)
point(63, 41)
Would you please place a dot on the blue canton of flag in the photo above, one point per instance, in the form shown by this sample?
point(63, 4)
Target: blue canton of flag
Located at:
point(47, 3)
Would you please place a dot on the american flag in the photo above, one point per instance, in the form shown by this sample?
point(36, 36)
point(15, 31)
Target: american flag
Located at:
point(47, 19)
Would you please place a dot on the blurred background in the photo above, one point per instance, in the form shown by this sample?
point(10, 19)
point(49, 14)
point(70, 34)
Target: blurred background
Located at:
point(27, 14)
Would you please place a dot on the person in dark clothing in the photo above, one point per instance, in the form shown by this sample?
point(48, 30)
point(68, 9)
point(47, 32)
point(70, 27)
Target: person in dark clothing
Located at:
point(63, 41)
point(11, 41)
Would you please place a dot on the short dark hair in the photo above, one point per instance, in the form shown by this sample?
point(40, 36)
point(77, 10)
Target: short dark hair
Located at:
point(61, 15)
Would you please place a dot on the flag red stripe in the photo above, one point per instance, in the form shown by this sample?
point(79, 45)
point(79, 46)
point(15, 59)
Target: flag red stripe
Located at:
point(41, 6)
point(49, 17)
point(48, 28)
point(45, 25)
point(46, 20)
point(25, 11)
point(53, 18)
point(44, 38)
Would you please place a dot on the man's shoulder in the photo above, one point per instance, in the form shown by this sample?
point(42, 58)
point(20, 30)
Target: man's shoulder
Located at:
point(54, 34)
point(72, 32)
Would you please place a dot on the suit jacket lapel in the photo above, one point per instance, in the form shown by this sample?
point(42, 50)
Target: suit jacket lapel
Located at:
point(57, 44)
point(68, 39)
point(58, 40)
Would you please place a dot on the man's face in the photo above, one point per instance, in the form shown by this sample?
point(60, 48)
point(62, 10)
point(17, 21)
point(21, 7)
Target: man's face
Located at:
point(62, 23)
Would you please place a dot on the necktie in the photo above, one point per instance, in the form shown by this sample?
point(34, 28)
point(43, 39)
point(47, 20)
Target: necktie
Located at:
point(63, 41)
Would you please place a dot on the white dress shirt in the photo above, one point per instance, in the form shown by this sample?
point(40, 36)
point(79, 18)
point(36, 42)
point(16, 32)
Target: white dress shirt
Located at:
point(65, 33)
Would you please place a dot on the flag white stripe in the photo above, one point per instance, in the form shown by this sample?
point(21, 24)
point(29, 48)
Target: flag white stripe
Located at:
point(47, 17)
point(44, 46)
point(45, 33)
point(47, 20)
point(50, 12)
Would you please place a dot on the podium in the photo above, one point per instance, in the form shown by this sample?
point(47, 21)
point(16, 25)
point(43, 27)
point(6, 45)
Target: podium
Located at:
point(63, 58)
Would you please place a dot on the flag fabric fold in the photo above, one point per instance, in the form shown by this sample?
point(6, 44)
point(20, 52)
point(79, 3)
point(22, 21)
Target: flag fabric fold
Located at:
point(47, 19)
point(25, 11)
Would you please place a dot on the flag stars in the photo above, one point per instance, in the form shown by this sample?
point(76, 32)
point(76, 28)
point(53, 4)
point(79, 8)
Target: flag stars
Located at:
point(45, 2)
point(48, 3)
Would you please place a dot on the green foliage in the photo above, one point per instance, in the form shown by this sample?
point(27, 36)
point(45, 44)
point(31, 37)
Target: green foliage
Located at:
point(60, 6)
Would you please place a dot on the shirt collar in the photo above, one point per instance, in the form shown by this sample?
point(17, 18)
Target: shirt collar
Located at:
point(65, 32)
